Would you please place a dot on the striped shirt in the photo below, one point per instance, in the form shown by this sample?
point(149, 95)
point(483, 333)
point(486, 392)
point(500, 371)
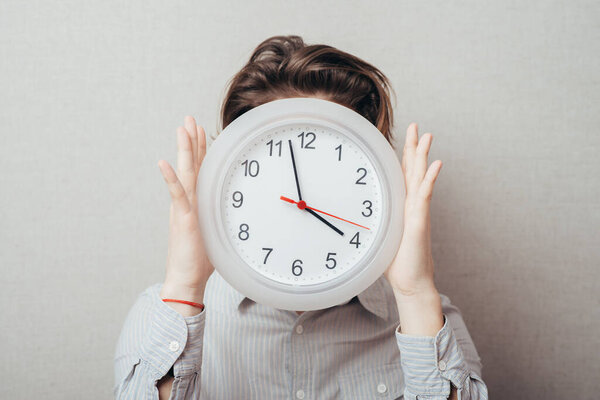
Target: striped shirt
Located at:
point(238, 349)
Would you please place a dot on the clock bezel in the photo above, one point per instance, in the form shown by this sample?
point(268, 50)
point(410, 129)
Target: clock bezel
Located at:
point(216, 166)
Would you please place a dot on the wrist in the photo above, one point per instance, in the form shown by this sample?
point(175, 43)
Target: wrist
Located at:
point(181, 292)
point(420, 313)
point(415, 293)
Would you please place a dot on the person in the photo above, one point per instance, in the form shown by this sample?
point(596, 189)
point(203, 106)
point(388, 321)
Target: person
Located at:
point(399, 338)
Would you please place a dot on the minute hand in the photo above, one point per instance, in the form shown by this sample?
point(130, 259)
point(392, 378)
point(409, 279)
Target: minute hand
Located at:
point(295, 170)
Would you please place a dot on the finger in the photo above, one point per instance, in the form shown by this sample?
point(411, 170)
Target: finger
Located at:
point(190, 126)
point(410, 145)
point(426, 188)
point(201, 144)
point(420, 161)
point(185, 163)
point(178, 194)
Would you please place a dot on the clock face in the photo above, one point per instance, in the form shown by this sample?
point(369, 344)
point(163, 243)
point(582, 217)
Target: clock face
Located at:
point(302, 204)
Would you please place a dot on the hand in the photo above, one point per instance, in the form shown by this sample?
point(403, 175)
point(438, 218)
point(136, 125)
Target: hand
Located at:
point(411, 272)
point(308, 209)
point(188, 267)
point(302, 205)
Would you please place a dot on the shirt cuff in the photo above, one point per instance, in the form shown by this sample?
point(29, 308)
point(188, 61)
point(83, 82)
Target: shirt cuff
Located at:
point(173, 340)
point(430, 364)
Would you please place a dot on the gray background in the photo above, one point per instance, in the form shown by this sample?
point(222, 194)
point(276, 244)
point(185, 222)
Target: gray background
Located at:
point(91, 95)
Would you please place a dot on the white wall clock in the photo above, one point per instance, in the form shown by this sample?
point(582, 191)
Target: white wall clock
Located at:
point(301, 203)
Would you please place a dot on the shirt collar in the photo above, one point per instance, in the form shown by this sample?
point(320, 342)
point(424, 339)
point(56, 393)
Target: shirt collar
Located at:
point(374, 298)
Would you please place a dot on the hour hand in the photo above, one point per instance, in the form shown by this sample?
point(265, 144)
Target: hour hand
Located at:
point(324, 221)
point(302, 205)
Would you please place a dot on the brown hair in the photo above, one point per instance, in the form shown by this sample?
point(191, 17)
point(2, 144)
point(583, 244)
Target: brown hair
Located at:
point(284, 66)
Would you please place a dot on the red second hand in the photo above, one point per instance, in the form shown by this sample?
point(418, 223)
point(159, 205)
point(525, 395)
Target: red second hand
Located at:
point(302, 205)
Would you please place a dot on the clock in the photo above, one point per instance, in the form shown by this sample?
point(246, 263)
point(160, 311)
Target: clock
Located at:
point(301, 203)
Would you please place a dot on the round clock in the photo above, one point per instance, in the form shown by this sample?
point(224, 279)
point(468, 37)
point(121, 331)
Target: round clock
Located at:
point(301, 203)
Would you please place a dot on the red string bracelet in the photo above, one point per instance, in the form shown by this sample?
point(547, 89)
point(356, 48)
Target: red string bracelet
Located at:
point(190, 303)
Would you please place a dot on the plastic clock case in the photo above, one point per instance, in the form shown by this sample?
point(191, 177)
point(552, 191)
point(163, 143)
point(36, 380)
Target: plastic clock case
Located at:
point(224, 150)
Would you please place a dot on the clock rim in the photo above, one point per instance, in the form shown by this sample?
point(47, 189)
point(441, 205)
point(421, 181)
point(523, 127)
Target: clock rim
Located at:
point(216, 166)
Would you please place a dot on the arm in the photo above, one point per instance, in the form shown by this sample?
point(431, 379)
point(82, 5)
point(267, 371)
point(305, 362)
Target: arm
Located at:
point(159, 335)
point(155, 338)
point(434, 365)
point(444, 364)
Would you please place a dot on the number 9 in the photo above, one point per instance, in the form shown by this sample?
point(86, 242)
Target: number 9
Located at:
point(238, 198)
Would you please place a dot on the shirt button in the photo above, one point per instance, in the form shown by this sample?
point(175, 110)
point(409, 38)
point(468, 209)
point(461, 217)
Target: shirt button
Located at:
point(442, 365)
point(174, 346)
point(300, 394)
point(299, 329)
point(381, 388)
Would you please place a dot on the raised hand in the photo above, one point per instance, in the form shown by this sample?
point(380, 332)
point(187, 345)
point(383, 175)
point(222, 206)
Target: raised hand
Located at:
point(411, 272)
point(188, 267)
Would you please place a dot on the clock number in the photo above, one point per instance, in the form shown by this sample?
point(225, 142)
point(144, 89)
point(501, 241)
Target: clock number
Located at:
point(362, 171)
point(355, 240)
point(268, 250)
point(368, 205)
point(251, 168)
point(330, 258)
point(297, 267)
point(339, 149)
point(243, 234)
point(310, 137)
point(238, 198)
point(271, 145)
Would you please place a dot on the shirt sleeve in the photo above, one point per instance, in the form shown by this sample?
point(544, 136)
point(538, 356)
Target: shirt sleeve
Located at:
point(431, 364)
point(153, 339)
